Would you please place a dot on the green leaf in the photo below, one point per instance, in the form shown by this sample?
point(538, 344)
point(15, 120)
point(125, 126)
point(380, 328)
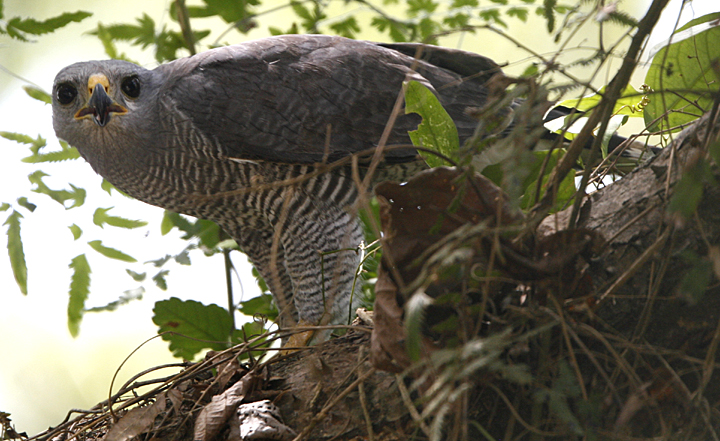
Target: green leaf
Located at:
point(249, 331)
point(5, 206)
point(416, 7)
point(459, 20)
point(260, 281)
point(65, 153)
point(159, 279)
point(35, 144)
point(520, 13)
point(15, 250)
point(549, 14)
point(79, 291)
point(229, 11)
point(493, 16)
point(194, 326)
point(347, 28)
point(23, 202)
point(207, 231)
point(76, 231)
point(100, 218)
point(183, 258)
point(567, 187)
point(261, 305)
point(126, 297)
point(76, 195)
point(38, 94)
point(398, 31)
point(17, 26)
point(414, 321)
point(437, 130)
point(112, 253)
point(682, 75)
point(108, 187)
point(138, 277)
point(464, 3)
point(628, 104)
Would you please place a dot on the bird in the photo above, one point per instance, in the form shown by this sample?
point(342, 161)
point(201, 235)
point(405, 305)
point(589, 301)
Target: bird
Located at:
point(243, 135)
point(216, 135)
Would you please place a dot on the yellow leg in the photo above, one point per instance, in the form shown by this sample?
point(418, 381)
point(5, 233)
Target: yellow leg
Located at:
point(298, 340)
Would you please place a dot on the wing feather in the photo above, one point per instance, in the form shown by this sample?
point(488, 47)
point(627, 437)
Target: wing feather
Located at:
point(276, 98)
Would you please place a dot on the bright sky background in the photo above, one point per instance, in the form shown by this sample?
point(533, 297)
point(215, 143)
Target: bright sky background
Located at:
point(43, 371)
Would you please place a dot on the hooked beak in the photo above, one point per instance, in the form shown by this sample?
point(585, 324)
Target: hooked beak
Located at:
point(100, 106)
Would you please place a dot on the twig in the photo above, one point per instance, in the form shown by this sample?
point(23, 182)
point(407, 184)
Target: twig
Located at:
point(184, 21)
point(405, 394)
point(637, 264)
point(330, 404)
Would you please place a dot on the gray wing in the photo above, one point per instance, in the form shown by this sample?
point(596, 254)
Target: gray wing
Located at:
point(275, 99)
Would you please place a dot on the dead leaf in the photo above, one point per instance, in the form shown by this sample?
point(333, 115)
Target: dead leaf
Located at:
point(136, 421)
point(215, 415)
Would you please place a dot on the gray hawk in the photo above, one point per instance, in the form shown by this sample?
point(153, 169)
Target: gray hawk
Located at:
point(216, 135)
point(222, 135)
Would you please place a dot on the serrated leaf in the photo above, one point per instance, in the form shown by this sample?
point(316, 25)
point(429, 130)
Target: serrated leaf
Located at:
point(66, 153)
point(194, 326)
point(35, 27)
point(35, 143)
point(79, 291)
point(38, 94)
point(416, 7)
point(111, 253)
point(437, 130)
point(126, 297)
point(261, 305)
point(684, 66)
point(5, 206)
point(15, 250)
point(183, 258)
point(493, 16)
point(101, 217)
point(348, 28)
point(138, 277)
point(547, 11)
point(76, 231)
point(171, 219)
point(76, 195)
point(159, 279)
point(300, 10)
point(520, 13)
point(161, 261)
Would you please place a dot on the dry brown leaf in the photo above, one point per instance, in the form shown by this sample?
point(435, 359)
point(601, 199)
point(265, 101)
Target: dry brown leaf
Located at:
point(136, 421)
point(215, 415)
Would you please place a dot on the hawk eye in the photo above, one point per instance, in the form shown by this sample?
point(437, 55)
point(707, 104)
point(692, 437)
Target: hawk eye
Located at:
point(131, 87)
point(66, 93)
